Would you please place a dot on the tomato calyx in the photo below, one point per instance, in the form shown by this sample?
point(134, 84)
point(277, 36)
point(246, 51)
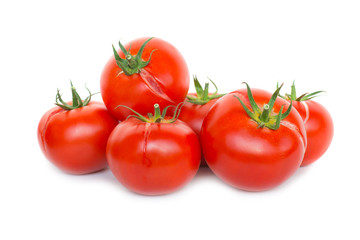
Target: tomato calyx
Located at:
point(131, 64)
point(77, 102)
point(304, 97)
point(265, 117)
point(202, 94)
point(158, 116)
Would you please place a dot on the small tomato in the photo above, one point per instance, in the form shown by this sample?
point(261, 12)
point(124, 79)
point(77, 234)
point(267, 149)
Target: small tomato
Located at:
point(73, 136)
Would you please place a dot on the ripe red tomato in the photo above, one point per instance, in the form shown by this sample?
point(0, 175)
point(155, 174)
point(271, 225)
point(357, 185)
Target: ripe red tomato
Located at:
point(157, 74)
point(197, 106)
point(74, 139)
point(153, 156)
point(318, 124)
point(253, 153)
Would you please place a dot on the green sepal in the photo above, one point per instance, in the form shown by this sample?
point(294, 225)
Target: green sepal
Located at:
point(265, 117)
point(278, 119)
point(274, 96)
point(176, 113)
point(203, 96)
point(277, 86)
point(253, 104)
point(199, 89)
point(88, 98)
point(285, 114)
point(293, 90)
point(150, 115)
point(132, 64)
point(122, 63)
point(137, 115)
point(163, 114)
point(247, 110)
point(304, 97)
point(62, 103)
point(309, 96)
point(158, 116)
point(77, 102)
point(123, 49)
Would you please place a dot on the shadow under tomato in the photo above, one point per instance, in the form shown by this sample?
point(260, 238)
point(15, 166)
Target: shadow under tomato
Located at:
point(204, 172)
point(107, 176)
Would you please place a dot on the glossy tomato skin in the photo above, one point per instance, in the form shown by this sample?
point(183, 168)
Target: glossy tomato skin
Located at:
point(248, 157)
point(194, 114)
point(153, 158)
point(319, 129)
point(75, 140)
point(165, 80)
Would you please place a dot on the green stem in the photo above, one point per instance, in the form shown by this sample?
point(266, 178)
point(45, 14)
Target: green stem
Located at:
point(132, 62)
point(264, 117)
point(157, 113)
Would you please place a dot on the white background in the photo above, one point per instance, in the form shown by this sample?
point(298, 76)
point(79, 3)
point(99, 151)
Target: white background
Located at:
point(44, 44)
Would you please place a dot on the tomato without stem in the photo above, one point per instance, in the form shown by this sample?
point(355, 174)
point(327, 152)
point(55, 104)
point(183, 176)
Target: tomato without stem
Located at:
point(144, 72)
point(75, 140)
point(248, 154)
point(153, 157)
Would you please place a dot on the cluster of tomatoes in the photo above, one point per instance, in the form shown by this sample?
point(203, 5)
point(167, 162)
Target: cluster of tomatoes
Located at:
point(153, 135)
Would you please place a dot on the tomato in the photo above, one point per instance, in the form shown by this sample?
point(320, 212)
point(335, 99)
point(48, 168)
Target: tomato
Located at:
point(197, 106)
point(74, 137)
point(318, 124)
point(156, 74)
point(253, 150)
point(153, 156)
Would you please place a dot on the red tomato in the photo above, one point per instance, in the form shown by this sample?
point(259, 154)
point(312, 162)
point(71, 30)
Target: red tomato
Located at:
point(248, 154)
point(75, 140)
point(161, 77)
point(153, 157)
point(318, 124)
point(197, 106)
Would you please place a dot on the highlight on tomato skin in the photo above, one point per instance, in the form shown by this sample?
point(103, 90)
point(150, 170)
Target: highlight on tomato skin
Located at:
point(73, 135)
point(253, 140)
point(318, 124)
point(153, 154)
point(141, 73)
